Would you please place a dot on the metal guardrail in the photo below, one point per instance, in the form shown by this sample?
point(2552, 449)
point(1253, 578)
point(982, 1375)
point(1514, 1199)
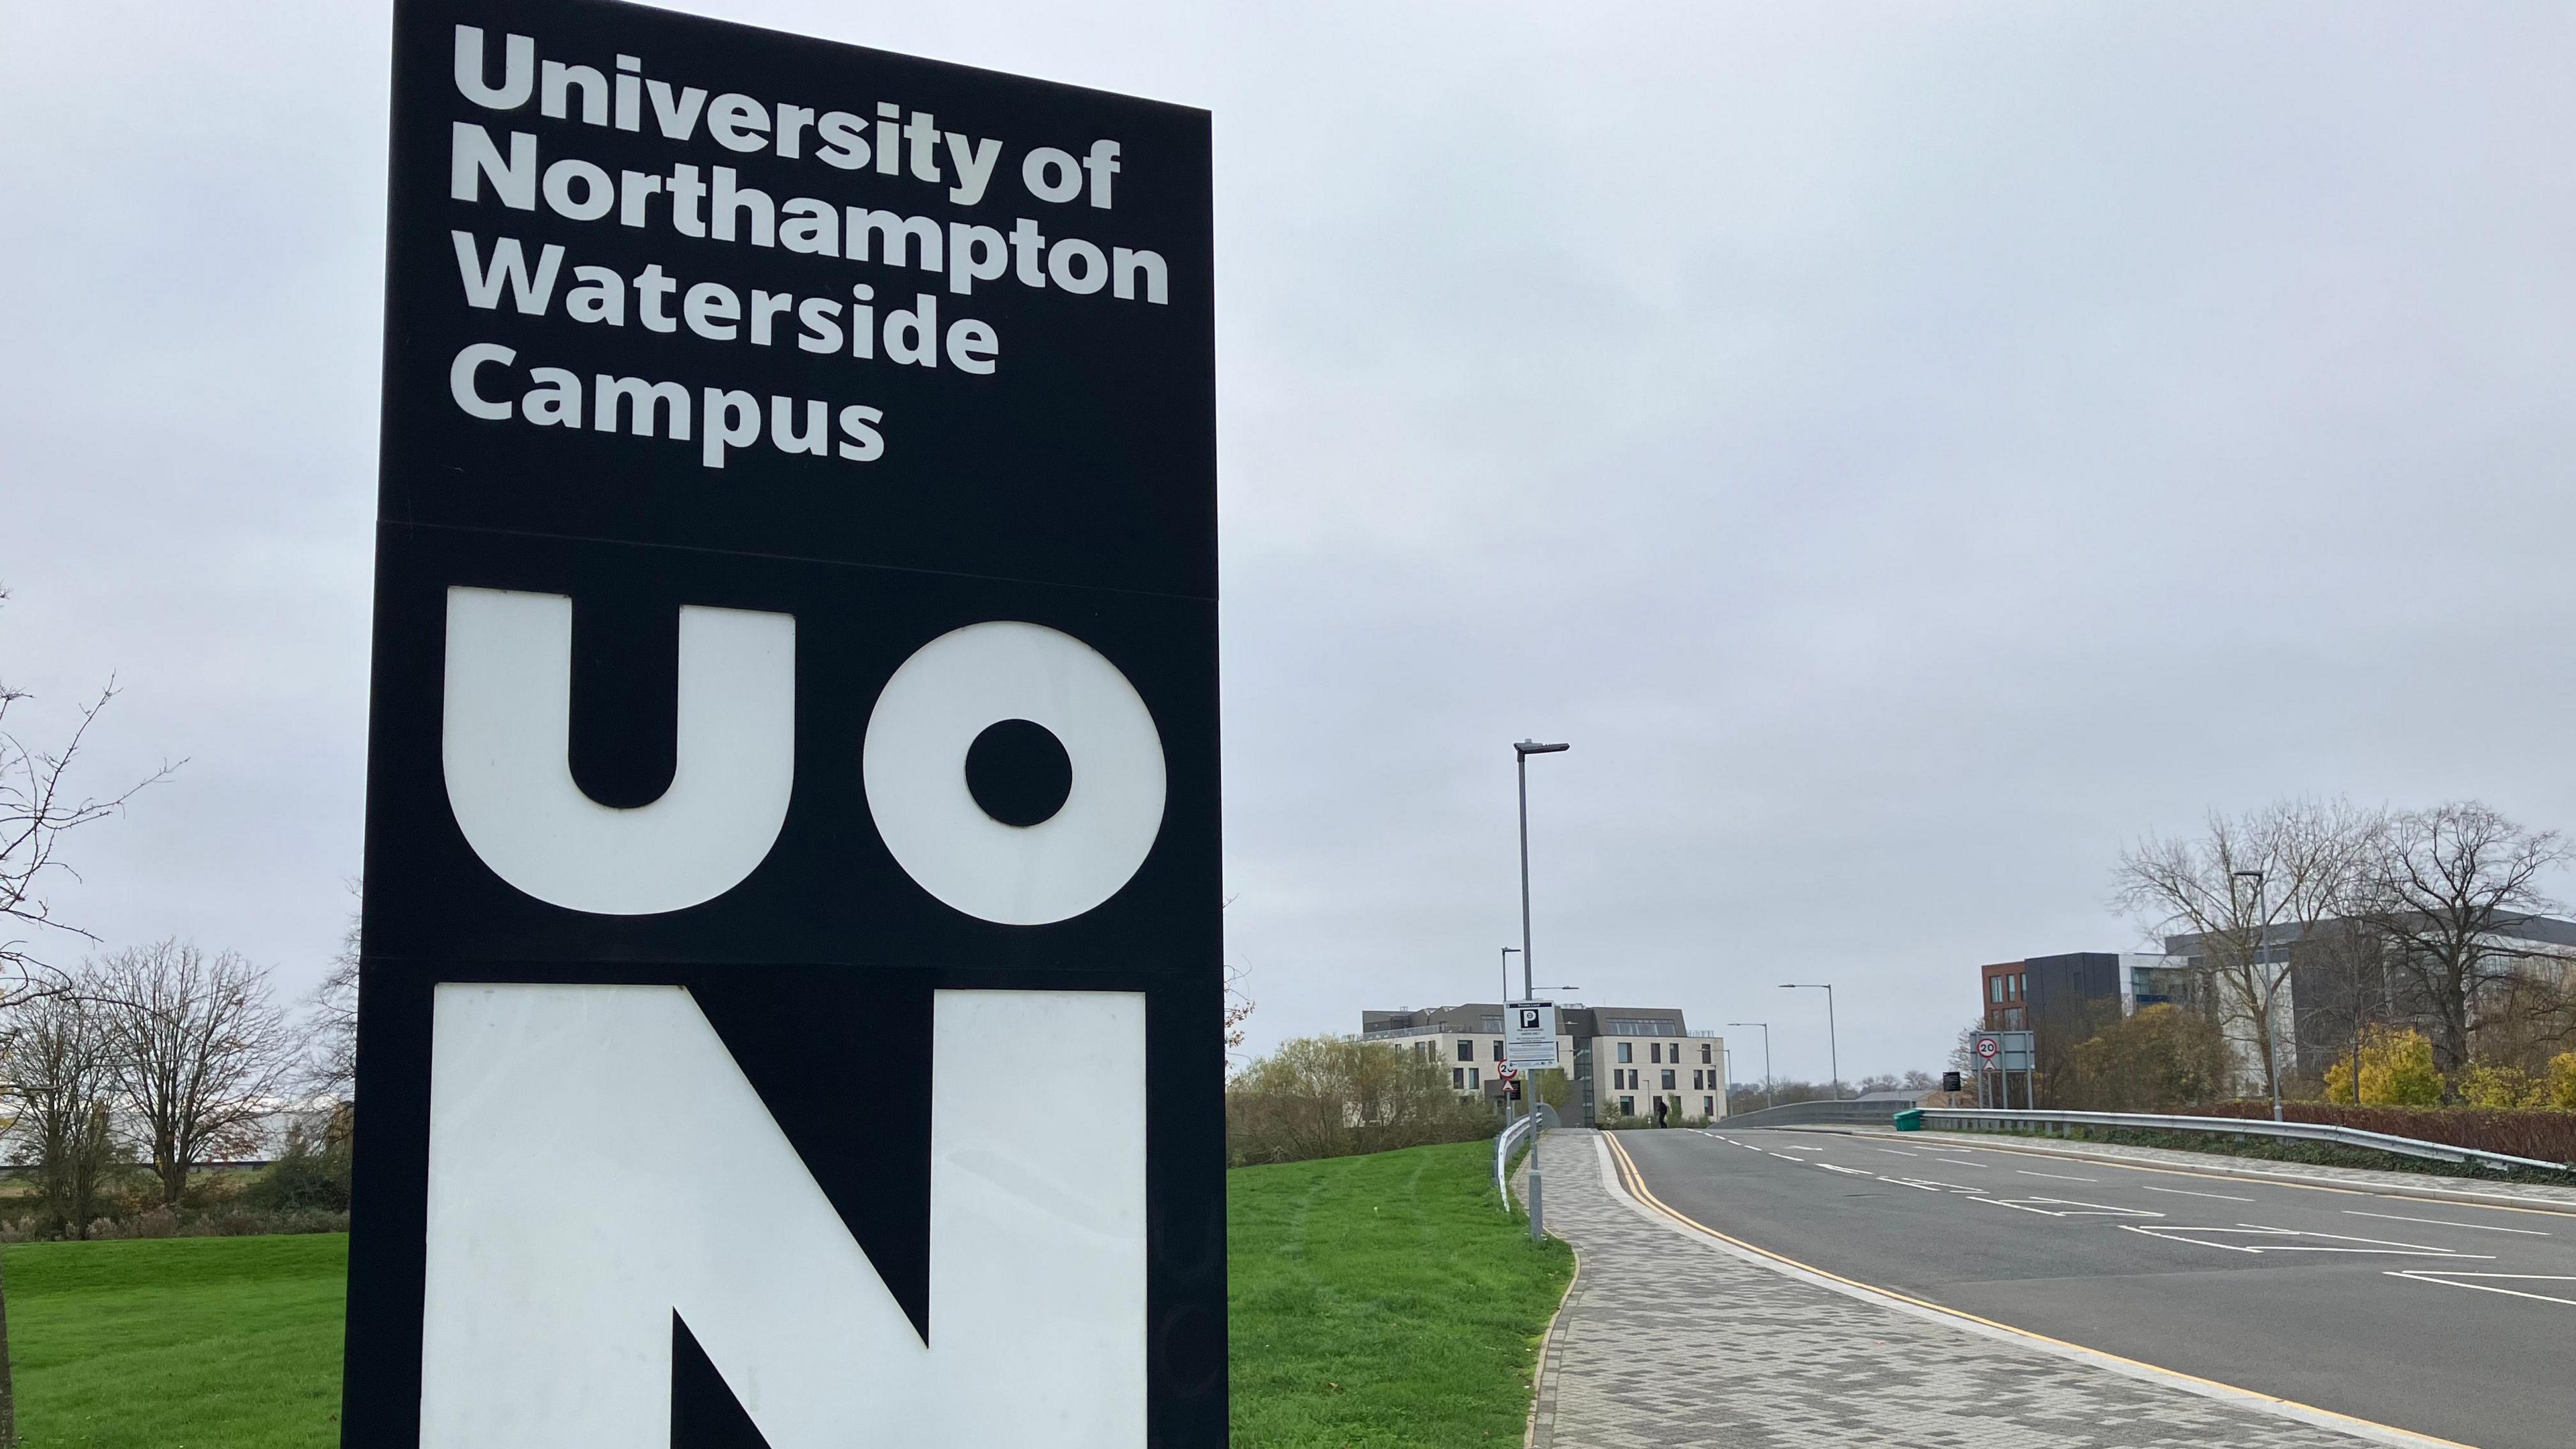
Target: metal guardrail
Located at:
point(1971, 1119)
point(1503, 1145)
point(1800, 1114)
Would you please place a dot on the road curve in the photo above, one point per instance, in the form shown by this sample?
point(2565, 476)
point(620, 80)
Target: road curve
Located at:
point(2445, 1319)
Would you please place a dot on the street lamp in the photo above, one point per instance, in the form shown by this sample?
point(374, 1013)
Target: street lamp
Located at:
point(1508, 953)
point(1833, 1047)
point(1520, 764)
point(2253, 977)
point(1766, 1058)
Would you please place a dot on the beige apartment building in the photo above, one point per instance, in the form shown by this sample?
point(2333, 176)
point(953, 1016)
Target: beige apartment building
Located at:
point(1622, 1059)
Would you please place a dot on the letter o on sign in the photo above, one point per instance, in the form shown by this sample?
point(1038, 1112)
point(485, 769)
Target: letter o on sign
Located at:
point(914, 763)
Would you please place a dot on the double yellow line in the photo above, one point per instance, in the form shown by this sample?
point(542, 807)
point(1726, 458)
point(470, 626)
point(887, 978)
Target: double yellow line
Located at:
point(1634, 1182)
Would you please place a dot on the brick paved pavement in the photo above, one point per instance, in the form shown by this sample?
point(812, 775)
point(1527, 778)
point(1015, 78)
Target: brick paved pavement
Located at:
point(1670, 1340)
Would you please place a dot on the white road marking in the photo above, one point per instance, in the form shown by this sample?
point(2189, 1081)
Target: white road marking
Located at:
point(1960, 1162)
point(2058, 1207)
point(1850, 1171)
point(1927, 1185)
point(2186, 1192)
point(2423, 1275)
point(1892, 1152)
point(2275, 1241)
point(2446, 1223)
point(2061, 1177)
point(1796, 1148)
point(1785, 1157)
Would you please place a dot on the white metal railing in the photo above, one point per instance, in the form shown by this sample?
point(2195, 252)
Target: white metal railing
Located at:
point(1989, 1119)
point(1503, 1155)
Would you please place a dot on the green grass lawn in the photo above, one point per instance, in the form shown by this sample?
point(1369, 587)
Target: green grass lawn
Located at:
point(1377, 1301)
point(1383, 1300)
point(178, 1343)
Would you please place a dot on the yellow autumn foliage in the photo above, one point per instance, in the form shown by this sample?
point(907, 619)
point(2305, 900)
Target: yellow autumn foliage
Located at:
point(2396, 1071)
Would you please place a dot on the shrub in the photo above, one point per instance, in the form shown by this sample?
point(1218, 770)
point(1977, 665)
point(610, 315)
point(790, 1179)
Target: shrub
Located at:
point(2482, 1085)
point(311, 1175)
point(2396, 1071)
point(2546, 1135)
point(2558, 1083)
point(1329, 1096)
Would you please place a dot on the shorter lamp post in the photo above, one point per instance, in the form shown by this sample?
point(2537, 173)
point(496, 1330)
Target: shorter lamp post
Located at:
point(2254, 978)
point(1766, 1058)
point(1833, 1047)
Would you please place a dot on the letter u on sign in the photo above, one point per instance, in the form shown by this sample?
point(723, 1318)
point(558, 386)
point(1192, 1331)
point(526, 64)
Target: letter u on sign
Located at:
point(504, 747)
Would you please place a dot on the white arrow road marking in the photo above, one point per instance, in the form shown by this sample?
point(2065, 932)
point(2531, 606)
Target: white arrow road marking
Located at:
point(1892, 1152)
point(2058, 1207)
point(2187, 1192)
point(2446, 1223)
point(2061, 1177)
point(1849, 1171)
point(2276, 1240)
point(2449, 1280)
point(1958, 1161)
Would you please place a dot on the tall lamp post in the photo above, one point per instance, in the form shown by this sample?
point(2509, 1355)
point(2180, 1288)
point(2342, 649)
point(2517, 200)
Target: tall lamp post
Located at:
point(1833, 1047)
point(1520, 763)
point(1766, 1058)
point(2253, 974)
point(1508, 953)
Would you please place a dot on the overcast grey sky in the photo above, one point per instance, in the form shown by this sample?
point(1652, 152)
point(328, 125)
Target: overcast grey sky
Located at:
point(1910, 450)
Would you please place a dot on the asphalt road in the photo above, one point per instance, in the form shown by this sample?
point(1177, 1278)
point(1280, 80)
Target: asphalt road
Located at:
point(2397, 1310)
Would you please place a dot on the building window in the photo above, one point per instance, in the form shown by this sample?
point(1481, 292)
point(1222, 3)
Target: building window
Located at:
point(1995, 989)
point(1498, 1049)
point(1704, 1056)
point(1472, 1080)
point(1669, 1074)
point(1627, 1106)
point(1458, 1078)
point(1627, 1052)
point(1466, 1050)
point(1698, 1080)
point(1708, 1106)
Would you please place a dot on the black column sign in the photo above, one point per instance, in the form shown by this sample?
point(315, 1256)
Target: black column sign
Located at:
point(791, 971)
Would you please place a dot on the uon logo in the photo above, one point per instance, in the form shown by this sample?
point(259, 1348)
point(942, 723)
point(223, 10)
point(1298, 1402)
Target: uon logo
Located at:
point(641, 1227)
point(1013, 772)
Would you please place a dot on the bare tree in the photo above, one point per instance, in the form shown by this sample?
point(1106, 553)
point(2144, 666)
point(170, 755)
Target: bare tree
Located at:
point(39, 809)
point(2248, 884)
point(2447, 890)
point(2347, 985)
point(200, 1054)
point(333, 1070)
point(66, 1129)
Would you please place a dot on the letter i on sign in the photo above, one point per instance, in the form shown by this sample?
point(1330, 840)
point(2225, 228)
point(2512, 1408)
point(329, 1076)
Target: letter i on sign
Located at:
point(728, 823)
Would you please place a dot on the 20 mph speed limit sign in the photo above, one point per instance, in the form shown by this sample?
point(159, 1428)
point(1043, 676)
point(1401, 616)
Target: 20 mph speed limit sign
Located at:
point(1989, 1047)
